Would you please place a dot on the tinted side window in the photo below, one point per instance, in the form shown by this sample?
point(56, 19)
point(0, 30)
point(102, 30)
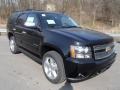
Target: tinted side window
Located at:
point(31, 20)
point(21, 19)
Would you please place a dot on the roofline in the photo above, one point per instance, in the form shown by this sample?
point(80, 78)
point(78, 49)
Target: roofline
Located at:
point(40, 11)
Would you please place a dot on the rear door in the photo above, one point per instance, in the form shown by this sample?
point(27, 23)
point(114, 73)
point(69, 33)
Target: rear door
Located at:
point(19, 28)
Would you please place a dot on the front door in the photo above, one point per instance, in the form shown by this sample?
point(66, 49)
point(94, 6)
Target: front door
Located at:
point(32, 36)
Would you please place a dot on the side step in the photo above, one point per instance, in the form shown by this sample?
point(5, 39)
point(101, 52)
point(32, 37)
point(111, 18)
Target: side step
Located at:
point(33, 57)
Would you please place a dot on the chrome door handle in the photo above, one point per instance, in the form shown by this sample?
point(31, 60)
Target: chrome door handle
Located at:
point(14, 29)
point(23, 32)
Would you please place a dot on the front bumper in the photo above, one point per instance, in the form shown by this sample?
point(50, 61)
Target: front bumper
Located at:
point(74, 67)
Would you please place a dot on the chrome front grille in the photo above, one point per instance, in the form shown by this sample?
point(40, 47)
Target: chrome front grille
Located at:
point(103, 51)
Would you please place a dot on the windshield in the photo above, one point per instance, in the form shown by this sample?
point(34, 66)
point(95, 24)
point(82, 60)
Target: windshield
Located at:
point(51, 20)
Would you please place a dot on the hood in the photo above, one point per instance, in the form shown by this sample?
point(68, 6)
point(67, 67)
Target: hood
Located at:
point(86, 35)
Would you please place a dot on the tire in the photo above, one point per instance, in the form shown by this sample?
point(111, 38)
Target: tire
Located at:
point(13, 47)
point(54, 62)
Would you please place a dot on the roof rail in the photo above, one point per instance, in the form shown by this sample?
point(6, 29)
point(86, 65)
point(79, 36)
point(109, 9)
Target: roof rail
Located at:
point(23, 10)
point(29, 10)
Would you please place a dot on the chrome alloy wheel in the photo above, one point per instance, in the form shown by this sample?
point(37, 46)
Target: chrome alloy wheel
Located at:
point(12, 45)
point(50, 68)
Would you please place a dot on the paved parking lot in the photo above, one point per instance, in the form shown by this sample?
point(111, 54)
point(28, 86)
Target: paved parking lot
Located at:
point(19, 72)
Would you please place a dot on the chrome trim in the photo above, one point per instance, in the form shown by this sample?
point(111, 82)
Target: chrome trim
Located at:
point(101, 52)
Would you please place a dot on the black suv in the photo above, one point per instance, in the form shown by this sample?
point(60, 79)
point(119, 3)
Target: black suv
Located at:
point(67, 51)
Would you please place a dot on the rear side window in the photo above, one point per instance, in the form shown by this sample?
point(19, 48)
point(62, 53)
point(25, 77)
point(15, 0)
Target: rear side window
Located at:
point(12, 18)
point(21, 19)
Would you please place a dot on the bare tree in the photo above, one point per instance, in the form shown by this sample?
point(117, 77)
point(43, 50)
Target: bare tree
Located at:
point(84, 11)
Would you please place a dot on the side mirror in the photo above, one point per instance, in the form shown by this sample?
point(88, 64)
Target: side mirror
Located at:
point(32, 25)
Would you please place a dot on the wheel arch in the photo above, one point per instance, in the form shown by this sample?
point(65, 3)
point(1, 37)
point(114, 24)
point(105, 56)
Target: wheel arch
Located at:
point(10, 34)
point(48, 47)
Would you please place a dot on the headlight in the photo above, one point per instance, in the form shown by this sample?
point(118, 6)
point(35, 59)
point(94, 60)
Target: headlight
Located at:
point(77, 51)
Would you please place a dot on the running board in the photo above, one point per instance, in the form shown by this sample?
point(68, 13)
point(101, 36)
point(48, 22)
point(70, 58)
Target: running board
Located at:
point(33, 57)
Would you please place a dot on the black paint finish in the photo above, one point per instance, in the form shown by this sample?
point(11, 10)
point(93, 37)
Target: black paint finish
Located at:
point(35, 39)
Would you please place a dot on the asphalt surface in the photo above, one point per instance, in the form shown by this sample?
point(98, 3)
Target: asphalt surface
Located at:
point(19, 72)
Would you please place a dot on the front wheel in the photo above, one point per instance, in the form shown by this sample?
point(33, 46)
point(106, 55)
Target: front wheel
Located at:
point(53, 67)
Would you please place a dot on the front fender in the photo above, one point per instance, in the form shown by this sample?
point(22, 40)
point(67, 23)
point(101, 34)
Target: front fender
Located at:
point(59, 41)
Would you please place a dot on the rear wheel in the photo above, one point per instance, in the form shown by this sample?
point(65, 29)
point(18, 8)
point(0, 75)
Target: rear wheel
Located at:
point(13, 47)
point(53, 67)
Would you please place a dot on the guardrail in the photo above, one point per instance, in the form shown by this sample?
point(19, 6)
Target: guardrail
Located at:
point(116, 37)
point(3, 31)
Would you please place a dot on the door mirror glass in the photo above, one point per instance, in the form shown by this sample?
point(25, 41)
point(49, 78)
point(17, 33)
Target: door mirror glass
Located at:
point(28, 24)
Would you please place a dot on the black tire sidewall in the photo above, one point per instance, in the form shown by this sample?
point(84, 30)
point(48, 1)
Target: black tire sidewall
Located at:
point(61, 73)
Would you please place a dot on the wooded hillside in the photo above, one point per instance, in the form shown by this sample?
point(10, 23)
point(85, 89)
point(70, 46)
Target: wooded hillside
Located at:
point(97, 14)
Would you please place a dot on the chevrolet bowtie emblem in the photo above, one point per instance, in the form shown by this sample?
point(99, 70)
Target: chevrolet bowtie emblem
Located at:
point(108, 49)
